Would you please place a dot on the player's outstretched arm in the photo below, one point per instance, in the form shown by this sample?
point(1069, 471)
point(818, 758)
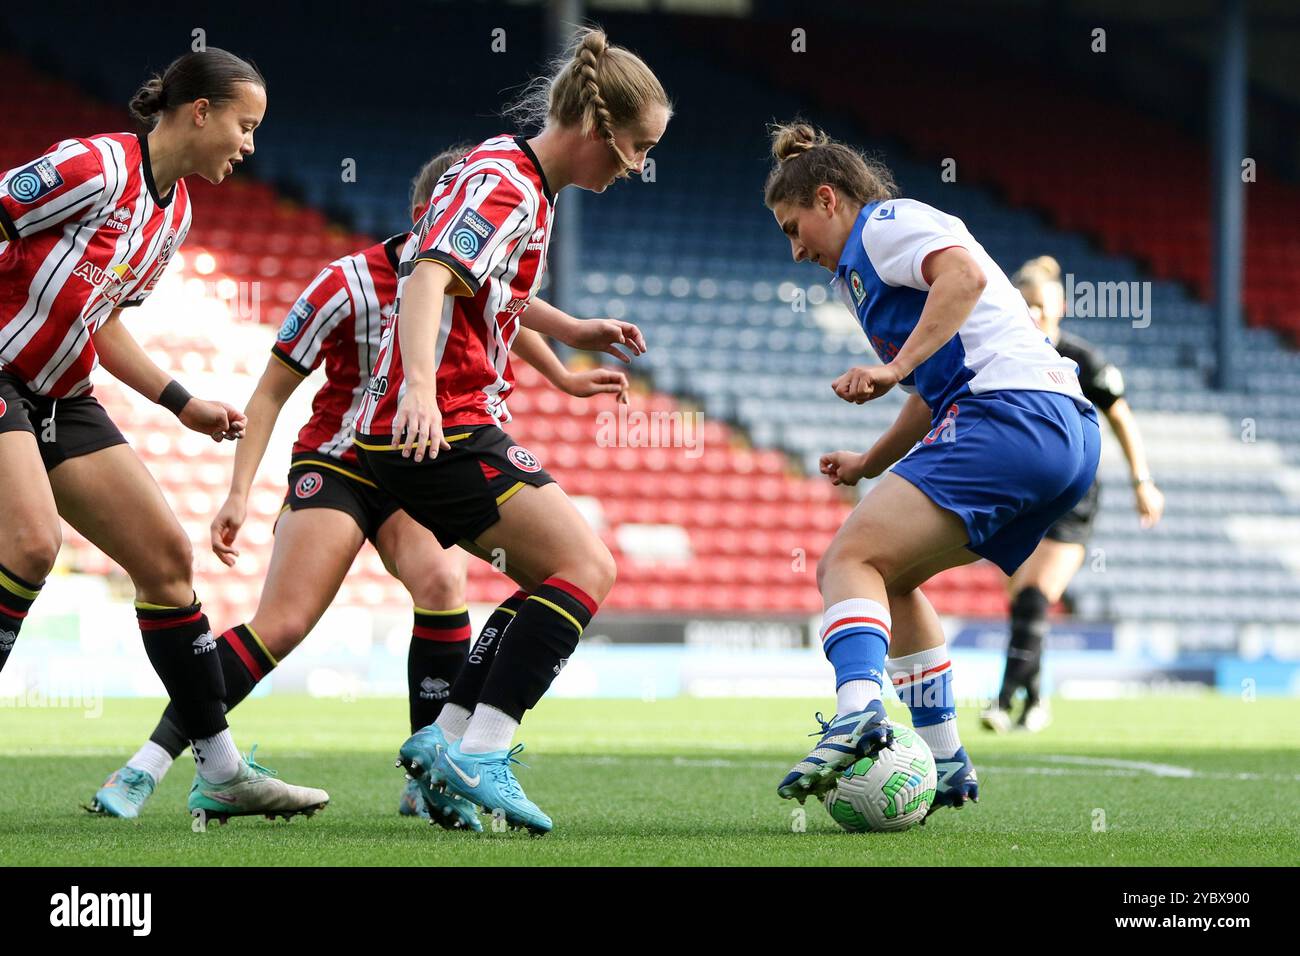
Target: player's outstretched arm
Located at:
point(126, 361)
point(275, 386)
point(1150, 500)
point(533, 349)
point(590, 335)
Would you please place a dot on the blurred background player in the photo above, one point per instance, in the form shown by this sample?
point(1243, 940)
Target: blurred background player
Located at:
point(1043, 578)
point(470, 272)
point(87, 230)
point(996, 441)
point(332, 508)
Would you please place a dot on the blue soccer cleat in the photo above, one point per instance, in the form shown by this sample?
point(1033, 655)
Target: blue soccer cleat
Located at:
point(487, 781)
point(420, 752)
point(411, 803)
point(957, 782)
point(426, 792)
point(123, 794)
point(844, 741)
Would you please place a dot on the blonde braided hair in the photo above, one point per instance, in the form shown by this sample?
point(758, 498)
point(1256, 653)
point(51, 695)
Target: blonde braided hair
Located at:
point(595, 86)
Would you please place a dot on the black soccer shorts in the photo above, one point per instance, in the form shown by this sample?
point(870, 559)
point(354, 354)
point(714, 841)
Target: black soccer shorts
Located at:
point(456, 495)
point(63, 428)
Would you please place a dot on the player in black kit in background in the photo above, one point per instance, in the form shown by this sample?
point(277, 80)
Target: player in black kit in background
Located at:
point(1043, 578)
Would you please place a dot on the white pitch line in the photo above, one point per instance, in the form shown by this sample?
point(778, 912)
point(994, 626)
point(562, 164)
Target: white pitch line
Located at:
point(1157, 769)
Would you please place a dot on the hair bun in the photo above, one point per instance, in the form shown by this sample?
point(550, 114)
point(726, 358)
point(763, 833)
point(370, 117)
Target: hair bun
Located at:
point(149, 100)
point(794, 139)
point(1049, 267)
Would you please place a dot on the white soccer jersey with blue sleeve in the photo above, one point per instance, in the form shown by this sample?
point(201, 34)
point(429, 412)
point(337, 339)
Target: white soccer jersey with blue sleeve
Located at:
point(997, 348)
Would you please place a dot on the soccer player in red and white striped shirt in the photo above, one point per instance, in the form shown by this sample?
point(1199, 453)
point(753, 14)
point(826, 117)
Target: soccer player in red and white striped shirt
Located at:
point(86, 231)
point(470, 275)
point(333, 507)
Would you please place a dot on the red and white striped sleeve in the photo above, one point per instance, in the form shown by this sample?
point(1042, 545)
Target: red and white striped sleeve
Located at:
point(491, 208)
point(307, 329)
point(50, 190)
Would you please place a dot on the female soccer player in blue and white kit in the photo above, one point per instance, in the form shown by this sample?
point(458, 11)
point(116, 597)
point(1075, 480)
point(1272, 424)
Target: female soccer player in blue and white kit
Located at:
point(994, 443)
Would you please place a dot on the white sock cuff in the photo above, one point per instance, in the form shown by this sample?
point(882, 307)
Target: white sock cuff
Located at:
point(152, 759)
point(221, 759)
point(453, 719)
point(489, 730)
point(854, 695)
point(845, 611)
point(942, 738)
point(921, 661)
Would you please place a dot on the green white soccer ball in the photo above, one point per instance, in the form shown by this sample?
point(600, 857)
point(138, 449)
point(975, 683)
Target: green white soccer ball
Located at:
point(891, 791)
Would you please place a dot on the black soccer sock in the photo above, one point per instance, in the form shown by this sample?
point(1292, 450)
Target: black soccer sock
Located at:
point(1025, 649)
point(439, 646)
point(543, 635)
point(182, 650)
point(16, 597)
point(467, 687)
point(244, 662)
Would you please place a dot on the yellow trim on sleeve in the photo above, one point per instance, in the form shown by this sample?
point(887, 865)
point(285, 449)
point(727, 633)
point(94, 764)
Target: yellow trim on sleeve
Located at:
point(281, 359)
point(427, 257)
point(558, 610)
point(257, 637)
point(4, 233)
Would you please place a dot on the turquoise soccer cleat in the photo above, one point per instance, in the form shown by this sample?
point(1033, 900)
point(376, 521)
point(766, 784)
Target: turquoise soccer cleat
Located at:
point(420, 752)
point(418, 756)
point(446, 809)
point(487, 781)
point(844, 741)
point(123, 794)
point(412, 801)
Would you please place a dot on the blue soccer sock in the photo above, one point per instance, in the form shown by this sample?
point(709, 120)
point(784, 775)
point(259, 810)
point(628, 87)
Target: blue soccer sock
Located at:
point(855, 638)
point(923, 681)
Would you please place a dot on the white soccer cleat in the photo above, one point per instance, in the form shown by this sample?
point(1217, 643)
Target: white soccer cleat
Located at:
point(255, 791)
point(996, 719)
point(1036, 717)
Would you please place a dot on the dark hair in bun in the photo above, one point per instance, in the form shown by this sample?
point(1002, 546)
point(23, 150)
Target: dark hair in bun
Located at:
point(210, 74)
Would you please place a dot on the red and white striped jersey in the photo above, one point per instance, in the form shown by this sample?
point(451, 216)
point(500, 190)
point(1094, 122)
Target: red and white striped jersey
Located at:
point(339, 320)
point(489, 222)
point(83, 231)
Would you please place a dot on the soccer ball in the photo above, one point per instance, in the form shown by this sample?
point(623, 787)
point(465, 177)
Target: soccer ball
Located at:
point(891, 791)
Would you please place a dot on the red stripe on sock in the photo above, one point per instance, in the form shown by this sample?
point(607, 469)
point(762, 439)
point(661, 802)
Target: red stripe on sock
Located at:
point(447, 634)
point(856, 620)
point(243, 653)
point(16, 615)
point(928, 672)
point(162, 625)
point(575, 592)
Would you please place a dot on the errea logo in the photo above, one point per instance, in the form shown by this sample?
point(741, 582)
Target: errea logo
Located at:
point(434, 688)
point(538, 241)
point(74, 909)
point(120, 220)
point(205, 642)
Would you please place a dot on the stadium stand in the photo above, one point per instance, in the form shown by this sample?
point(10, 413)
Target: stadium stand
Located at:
point(750, 339)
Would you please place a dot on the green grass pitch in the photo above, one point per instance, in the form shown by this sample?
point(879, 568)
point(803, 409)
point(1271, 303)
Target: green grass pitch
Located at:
point(1202, 780)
